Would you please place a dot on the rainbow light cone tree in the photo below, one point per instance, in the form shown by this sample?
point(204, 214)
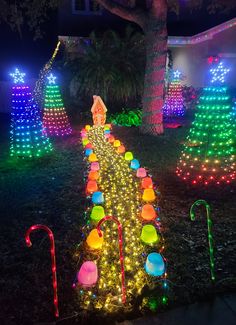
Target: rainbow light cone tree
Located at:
point(125, 191)
point(208, 156)
point(55, 120)
point(174, 103)
point(27, 138)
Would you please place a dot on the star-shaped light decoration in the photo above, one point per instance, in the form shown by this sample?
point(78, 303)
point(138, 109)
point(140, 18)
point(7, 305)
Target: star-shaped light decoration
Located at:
point(177, 74)
point(51, 79)
point(18, 77)
point(219, 73)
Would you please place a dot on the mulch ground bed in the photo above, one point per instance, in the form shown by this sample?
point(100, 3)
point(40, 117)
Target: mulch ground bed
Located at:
point(51, 191)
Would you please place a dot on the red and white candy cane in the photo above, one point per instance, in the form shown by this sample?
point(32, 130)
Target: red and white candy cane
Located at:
point(120, 250)
point(53, 258)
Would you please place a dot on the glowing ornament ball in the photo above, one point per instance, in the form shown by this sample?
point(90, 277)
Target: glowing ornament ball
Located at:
point(107, 135)
point(91, 187)
point(149, 235)
point(128, 156)
point(97, 214)
point(93, 175)
point(149, 195)
point(148, 212)
point(155, 264)
point(111, 139)
point(92, 157)
point(107, 132)
point(94, 241)
point(141, 172)
point(88, 152)
point(121, 149)
point(134, 164)
point(85, 141)
point(89, 146)
point(147, 182)
point(87, 127)
point(97, 197)
point(116, 143)
point(95, 166)
point(88, 274)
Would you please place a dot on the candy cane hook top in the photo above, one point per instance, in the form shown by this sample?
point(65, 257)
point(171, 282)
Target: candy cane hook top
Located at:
point(120, 250)
point(209, 228)
point(53, 259)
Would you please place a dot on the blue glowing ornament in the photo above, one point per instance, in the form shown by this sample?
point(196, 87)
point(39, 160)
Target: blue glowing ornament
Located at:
point(155, 264)
point(177, 74)
point(88, 152)
point(219, 73)
point(134, 164)
point(98, 198)
point(51, 79)
point(18, 77)
point(107, 132)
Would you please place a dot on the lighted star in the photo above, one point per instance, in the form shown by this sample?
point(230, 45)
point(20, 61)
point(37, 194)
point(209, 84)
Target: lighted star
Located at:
point(177, 74)
point(18, 77)
point(219, 73)
point(51, 78)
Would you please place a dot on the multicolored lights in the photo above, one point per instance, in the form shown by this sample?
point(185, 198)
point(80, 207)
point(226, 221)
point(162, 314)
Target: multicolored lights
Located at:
point(121, 260)
point(219, 73)
point(209, 153)
point(174, 99)
point(27, 138)
point(55, 120)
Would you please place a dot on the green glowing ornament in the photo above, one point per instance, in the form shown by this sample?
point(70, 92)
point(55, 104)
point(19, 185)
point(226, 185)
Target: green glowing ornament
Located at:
point(149, 235)
point(97, 213)
point(209, 226)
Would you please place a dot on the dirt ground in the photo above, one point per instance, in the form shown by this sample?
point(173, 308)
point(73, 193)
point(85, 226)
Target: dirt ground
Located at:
point(51, 191)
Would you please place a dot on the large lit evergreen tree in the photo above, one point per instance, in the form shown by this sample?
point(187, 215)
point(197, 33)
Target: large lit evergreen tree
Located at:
point(209, 155)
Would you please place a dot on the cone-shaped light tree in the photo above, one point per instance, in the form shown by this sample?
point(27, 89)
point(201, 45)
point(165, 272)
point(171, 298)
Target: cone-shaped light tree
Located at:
point(174, 103)
point(27, 138)
point(209, 154)
point(55, 120)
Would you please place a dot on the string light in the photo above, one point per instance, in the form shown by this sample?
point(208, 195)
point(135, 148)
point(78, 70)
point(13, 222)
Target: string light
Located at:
point(219, 73)
point(26, 138)
point(55, 120)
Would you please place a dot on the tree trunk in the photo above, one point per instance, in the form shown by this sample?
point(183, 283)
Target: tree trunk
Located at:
point(153, 96)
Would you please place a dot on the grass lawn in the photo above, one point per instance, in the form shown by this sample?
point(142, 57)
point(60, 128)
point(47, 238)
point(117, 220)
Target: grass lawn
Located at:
point(51, 191)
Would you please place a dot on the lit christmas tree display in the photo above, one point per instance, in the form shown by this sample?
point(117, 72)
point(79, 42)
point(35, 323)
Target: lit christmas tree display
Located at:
point(27, 138)
point(209, 155)
point(55, 120)
point(174, 103)
point(126, 256)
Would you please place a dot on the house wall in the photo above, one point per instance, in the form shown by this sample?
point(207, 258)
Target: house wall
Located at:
point(192, 59)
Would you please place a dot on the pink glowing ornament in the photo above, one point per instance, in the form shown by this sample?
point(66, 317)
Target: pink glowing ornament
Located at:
point(88, 274)
point(107, 136)
point(141, 172)
point(95, 166)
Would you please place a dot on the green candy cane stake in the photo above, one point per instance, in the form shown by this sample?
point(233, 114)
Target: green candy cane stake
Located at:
point(210, 238)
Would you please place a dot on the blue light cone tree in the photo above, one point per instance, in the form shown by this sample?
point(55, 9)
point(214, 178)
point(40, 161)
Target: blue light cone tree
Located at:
point(208, 156)
point(174, 102)
point(27, 138)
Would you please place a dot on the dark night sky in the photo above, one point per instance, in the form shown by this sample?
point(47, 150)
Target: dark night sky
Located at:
point(31, 55)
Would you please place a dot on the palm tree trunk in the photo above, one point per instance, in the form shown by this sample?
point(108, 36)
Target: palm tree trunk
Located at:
point(153, 97)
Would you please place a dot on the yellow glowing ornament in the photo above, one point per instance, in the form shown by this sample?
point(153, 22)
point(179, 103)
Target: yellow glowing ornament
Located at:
point(149, 235)
point(97, 213)
point(87, 127)
point(149, 195)
point(128, 156)
point(92, 157)
point(93, 240)
point(116, 143)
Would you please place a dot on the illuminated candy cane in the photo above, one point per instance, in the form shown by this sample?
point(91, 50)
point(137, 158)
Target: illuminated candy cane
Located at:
point(210, 237)
point(120, 250)
point(53, 259)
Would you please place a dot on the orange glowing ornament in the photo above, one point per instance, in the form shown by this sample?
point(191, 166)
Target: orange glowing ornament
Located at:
point(111, 139)
point(121, 149)
point(93, 240)
point(89, 146)
point(91, 187)
point(149, 195)
point(147, 182)
point(92, 157)
point(93, 175)
point(148, 212)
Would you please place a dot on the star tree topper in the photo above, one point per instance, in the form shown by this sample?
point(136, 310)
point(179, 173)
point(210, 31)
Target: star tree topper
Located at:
point(18, 77)
point(177, 74)
point(219, 73)
point(51, 78)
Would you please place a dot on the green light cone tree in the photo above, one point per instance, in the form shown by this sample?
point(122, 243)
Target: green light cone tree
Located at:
point(55, 120)
point(27, 138)
point(208, 156)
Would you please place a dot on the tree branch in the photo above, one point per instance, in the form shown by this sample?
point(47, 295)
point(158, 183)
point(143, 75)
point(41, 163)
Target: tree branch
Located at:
point(159, 9)
point(132, 14)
